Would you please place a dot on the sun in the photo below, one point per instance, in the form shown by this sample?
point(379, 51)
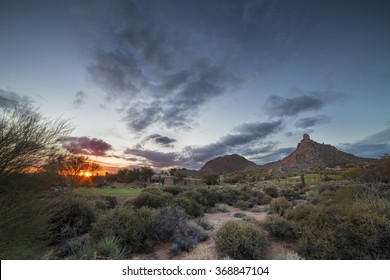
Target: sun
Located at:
point(87, 174)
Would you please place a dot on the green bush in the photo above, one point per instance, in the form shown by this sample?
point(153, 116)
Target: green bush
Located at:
point(152, 199)
point(229, 195)
point(360, 230)
point(243, 205)
point(279, 205)
point(211, 179)
point(191, 207)
point(266, 199)
point(73, 216)
point(25, 220)
point(278, 226)
point(271, 191)
point(241, 240)
point(174, 190)
point(133, 227)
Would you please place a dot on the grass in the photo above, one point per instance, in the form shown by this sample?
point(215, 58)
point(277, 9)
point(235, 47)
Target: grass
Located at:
point(107, 191)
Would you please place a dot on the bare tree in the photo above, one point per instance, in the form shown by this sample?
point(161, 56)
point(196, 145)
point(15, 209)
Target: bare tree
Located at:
point(27, 139)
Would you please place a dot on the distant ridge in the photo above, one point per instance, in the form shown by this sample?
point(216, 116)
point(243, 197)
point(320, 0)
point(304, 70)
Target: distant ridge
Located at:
point(312, 155)
point(227, 164)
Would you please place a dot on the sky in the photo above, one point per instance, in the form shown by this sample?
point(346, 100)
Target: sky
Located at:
point(175, 83)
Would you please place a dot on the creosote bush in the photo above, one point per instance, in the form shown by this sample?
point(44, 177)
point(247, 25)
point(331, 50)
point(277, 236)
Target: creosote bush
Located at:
point(241, 241)
point(73, 216)
point(133, 227)
point(278, 226)
point(152, 199)
point(279, 205)
point(271, 191)
point(191, 207)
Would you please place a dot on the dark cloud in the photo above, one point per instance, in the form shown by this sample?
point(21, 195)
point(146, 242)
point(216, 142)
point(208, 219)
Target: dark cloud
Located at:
point(155, 158)
point(248, 132)
point(86, 146)
point(245, 134)
point(276, 105)
point(79, 99)
point(11, 99)
point(372, 146)
point(160, 140)
point(150, 67)
point(310, 122)
point(246, 140)
point(275, 155)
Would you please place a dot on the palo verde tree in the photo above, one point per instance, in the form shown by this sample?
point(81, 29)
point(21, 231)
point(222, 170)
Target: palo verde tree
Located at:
point(27, 139)
point(75, 167)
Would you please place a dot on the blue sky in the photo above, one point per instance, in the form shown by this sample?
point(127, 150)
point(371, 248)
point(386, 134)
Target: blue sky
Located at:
point(177, 83)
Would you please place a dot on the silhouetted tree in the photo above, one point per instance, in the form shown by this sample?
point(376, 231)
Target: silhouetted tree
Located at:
point(27, 139)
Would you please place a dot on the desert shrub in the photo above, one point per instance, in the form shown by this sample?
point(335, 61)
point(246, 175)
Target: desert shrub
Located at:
point(241, 240)
point(229, 195)
point(234, 178)
point(205, 224)
point(289, 255)
point(187, 238)
point(279, 205)
point(211, 179)
point(191, 207)
point(278, 226)
point(271, 191)
point(266, 199)
point(174, 190)
point(110, 248)
point(195, 195)
point(86, 252)
point(243, 205)
point(378, 172)
point(168, 220)
point(210, 194)
point(73, 216)
point(356, 231)
point(133, 227)
point(105, 202)
point(152, 199)
point(219, 208)
point(290, 194)
point(239, 215)
point(25, 220)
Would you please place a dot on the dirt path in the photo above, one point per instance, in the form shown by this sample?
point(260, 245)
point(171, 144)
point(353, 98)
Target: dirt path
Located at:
point(207, 250)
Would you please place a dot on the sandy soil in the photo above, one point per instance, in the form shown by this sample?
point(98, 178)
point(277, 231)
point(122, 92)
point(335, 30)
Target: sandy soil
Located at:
point(207, 250)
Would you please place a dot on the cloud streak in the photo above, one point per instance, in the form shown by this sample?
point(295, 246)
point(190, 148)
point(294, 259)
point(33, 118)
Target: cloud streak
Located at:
point(85, 146)
point(10, 99)
point(276, 105)
point(196, 156)
point(313, 121)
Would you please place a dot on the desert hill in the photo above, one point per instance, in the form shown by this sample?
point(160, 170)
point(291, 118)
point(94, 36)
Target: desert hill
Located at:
point(312, 155)
point(227, 164)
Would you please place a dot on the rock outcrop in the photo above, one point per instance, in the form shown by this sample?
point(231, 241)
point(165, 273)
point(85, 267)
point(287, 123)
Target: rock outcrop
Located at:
point(311, 155)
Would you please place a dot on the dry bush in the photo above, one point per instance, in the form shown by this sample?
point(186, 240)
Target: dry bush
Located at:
point(241, 240)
